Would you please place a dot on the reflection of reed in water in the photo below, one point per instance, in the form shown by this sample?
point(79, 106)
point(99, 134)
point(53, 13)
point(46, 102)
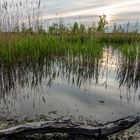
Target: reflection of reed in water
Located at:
point(81, 69)
point(28, 73)
point(27, 81)
point(129, 70)
point(77, 69)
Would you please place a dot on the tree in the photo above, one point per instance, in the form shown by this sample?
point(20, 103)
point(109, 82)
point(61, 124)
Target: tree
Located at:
point(121, 29)
point(62, 27)
point(92, 28)
point(136, 27)
point(102, 23)
point(75, 28)
point(24, 29)
point(82, 28)
point(115, 28)
point(40, 30)
point(16, 27)
point(54, 28)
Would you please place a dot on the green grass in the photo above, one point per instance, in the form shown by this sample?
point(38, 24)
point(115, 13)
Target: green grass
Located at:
point(18, 47)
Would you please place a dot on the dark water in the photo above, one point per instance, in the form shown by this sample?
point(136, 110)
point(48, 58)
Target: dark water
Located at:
point(101, 88)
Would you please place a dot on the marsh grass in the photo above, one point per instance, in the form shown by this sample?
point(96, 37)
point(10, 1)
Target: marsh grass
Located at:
point(26, 39)
point(18, 47)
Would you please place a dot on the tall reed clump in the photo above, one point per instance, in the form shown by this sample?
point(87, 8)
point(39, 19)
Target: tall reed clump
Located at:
point(131, 51)
point(17, 16)
point(17, 47)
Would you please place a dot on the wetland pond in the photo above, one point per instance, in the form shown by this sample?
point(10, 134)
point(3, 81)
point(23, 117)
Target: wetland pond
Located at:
point(102, 87)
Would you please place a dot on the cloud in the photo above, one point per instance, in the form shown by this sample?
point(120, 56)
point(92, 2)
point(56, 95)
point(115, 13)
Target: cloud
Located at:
point(116, 10)
point(87, 8)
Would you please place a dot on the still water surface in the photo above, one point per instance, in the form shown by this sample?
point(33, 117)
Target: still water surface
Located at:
point(102, 88)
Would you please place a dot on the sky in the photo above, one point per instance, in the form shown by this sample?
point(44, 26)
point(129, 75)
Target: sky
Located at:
point(116, 10)
point(87, 11)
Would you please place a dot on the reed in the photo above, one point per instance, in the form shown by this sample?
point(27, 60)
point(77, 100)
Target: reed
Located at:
point(18, 47)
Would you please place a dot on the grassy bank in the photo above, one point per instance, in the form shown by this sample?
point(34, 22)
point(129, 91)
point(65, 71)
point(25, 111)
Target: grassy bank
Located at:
point(20, 46)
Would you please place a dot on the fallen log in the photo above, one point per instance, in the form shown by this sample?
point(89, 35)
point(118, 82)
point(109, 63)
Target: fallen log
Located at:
point(70, 128)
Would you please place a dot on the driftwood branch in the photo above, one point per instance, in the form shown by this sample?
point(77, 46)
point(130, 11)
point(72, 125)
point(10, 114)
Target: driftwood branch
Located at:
point(67, 127)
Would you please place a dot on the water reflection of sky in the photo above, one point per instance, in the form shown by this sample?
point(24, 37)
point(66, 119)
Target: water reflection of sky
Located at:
point(89, 9)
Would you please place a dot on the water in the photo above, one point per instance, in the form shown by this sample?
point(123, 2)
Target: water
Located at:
point(99, 88)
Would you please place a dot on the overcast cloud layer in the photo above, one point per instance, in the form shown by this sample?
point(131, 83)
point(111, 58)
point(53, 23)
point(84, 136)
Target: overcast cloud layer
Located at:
point(88, 10)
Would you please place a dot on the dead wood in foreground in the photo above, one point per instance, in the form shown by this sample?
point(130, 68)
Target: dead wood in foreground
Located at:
point(67, 127)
